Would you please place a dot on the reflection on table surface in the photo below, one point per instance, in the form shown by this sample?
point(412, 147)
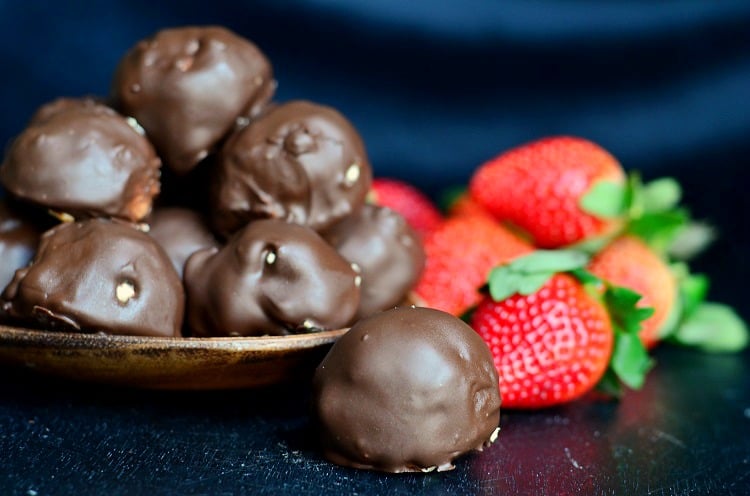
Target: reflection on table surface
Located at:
point(685, 432)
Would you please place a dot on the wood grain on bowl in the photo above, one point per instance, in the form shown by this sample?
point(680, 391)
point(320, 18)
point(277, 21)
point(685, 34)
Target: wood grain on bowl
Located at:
point(166, 363)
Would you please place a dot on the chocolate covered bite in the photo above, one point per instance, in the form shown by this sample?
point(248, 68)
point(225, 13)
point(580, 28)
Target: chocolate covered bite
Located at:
point(387, 251)
point(299, 162)
point(82, 158)
point(406, 390)
point(273, 278)
point(181, 232)
point(188, 86)
point(98, 275)
point(18, 241)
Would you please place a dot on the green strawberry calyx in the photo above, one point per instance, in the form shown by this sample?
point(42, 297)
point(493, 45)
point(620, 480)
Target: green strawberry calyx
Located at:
point(652, 212)
point(630, 362)
point(525, 275)
point(705, 325)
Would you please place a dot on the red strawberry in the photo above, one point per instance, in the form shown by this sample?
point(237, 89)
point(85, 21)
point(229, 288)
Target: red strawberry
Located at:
point(552, 337)
point(540, 187)
point(413, 205)
point(629, 262)
point(549, 347)
point(459, 255)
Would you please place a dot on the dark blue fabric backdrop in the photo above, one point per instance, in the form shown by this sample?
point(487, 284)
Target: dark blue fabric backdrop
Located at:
point(436, 87)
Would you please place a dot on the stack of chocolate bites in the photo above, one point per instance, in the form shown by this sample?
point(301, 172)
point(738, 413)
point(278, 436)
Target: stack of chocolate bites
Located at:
point(190, 203)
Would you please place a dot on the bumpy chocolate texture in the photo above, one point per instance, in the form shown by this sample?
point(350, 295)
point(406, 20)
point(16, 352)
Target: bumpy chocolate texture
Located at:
point(387, 251)
point(188, 87)
point(98, 275)
point(406, 390)
point(80, 157)
point(271, 278)
point(300, 162)
point(181, 232)
point(18, 242)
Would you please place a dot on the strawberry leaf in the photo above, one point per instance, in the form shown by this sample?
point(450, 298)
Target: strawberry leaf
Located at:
point(693, 290)
point(594, 244)
point(661, 195)
point(610, 384)
point(587, 277)
point(606, 199)
point(691, 240)
point(630, 360)
point(621, 303)
point(526, 275)
point(714, 328)
point(659, 229)
point(549, 261)
point(449, 197)
point(504, 282)
point(532, 283)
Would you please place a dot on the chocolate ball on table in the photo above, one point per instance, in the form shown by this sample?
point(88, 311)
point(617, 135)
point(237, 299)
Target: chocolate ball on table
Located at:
point(18, 242)
point(272, 278)
point(406, 390)
point(189, 86)
point(387, 251)
point(98, 275)
point(299, 162)
point(82, 158)
point(181, 232)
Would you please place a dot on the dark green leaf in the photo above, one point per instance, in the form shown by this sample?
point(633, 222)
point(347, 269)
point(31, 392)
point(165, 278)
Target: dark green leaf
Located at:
point(630, 360)
point(693, 290)
point(550, 261)
point(674, 317)
point(659, 229)
point(634, 195)
point(621, 299)
point(713, 327)
point(621, 303)
point(450, 195)
point(586, 277)
point(605, 199)
point(661, 195)
point(609, 384)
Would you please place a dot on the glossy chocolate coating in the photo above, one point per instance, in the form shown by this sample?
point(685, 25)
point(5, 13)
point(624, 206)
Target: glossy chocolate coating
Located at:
point(189, 86)
point(98, 275)
point(406, 390)
point(387, 251)
point(18, 242)
point(80, 157)
point(181, 232)
point(300, 162)
point(272, 277)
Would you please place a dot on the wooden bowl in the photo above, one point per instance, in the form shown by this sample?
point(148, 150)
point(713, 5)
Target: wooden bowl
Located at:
point(167, 363)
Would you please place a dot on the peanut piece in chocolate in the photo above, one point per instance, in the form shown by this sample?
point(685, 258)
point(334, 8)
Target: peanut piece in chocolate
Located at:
point(98, 275)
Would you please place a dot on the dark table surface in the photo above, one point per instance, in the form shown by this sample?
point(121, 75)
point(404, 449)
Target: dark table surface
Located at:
point(686, 432)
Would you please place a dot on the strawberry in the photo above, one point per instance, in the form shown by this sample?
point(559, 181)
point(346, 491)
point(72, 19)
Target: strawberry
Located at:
point(413, 205)
point(629, 262)
point(543, 187)
point(552, 337)
point(464, 204)
point(549, 347)
point(459, 255)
